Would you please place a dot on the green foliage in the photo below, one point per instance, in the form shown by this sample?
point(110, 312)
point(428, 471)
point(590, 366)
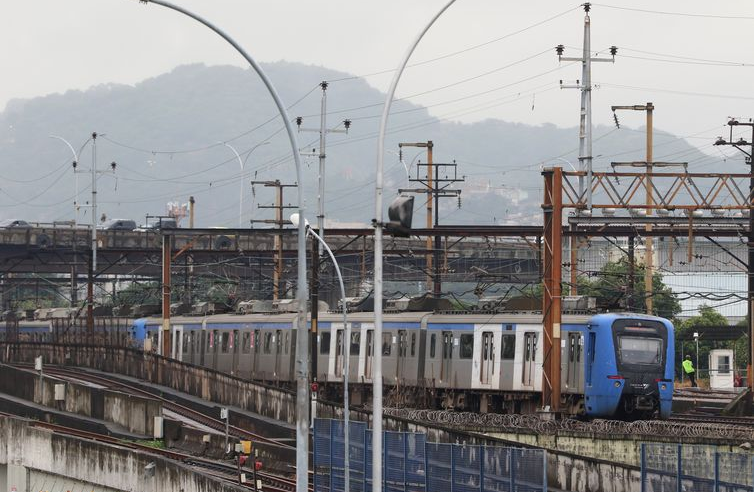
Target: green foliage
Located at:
point(154, 443)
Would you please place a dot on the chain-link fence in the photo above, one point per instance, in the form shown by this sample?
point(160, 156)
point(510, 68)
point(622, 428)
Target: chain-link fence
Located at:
point(411, 464)
point(681, 467)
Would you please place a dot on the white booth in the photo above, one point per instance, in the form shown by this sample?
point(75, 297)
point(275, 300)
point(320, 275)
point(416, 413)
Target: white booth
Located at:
point(721, 369)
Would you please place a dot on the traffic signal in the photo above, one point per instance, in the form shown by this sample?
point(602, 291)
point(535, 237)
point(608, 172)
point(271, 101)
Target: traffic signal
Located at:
point(400, 214)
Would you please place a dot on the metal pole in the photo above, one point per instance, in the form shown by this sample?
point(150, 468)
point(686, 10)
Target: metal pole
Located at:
point(346, 365)
point(322, 155)
point(94, 201)
point(316, 246)
point(430, 193)
point(377, 354)
point(649, 251)
point(302, 342)
point(240, 196)
point(750, 290)
point(76, 178)
point(587, 100)
point(166, 261)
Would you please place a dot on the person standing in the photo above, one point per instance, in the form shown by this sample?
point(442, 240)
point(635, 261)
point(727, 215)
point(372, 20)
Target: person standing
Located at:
point(688, 368)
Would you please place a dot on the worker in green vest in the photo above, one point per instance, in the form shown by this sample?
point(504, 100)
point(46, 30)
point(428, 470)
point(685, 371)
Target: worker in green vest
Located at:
point(688, 368)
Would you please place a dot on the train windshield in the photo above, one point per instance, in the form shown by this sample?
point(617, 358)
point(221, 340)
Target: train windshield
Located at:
point(640, 350)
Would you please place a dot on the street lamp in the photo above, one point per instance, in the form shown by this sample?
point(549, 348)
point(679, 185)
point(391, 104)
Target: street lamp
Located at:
point(242, 163)
point(295, 218)
point(302, 342)
point(378, 225)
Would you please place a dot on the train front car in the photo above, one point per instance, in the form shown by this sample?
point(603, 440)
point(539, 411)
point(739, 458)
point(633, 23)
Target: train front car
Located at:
point(630, 366)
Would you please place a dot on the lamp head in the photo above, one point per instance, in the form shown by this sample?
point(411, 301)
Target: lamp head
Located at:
point(296, 220)
point(720, 141)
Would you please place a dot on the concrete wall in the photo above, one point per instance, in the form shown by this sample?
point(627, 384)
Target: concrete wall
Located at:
point(28, 451)
point(134, 413)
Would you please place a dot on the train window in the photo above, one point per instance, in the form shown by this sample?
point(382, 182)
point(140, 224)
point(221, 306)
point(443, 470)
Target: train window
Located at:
point(413, 344)
point(185, 344)
point(224, 342)
point(268, 343)
point(287, 340)
point(355, 343)
point(571, 348)
point(256, 341)
point(467, 347)
point(246, 342)
point(432, 342)
point(387, 345)
point(639, 350)
point(508, 351)
point(324, 343)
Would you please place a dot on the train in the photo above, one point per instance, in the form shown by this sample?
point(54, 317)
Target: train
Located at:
point(614, 365)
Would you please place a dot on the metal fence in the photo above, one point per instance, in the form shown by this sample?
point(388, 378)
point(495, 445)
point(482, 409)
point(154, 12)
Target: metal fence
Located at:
point(411, 464)
point(680, 467)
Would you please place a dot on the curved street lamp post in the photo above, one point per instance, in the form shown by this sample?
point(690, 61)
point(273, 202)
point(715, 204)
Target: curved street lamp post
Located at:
point(302, 342)
point(242, 163)
point(378, 224)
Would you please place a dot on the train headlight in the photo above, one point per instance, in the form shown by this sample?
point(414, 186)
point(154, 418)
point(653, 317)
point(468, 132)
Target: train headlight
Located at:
point(616, 384)
point(663, 386)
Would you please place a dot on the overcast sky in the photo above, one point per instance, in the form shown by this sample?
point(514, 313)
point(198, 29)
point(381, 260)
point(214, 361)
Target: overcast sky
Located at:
point(697, 68)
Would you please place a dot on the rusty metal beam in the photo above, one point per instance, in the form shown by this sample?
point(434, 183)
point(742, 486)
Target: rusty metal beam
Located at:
point(551, 301)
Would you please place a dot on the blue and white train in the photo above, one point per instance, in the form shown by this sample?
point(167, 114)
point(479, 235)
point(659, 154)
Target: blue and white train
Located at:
point(613, 365)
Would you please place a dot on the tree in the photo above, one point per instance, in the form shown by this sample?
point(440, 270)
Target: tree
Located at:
point(707, 317)
point(612, 290)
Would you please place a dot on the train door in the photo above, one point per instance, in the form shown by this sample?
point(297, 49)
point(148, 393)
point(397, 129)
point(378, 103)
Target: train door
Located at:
point(402, 354)
point(257, 349)
point(214, 344)
point(488, 358)
point(202, 347)
point(235, 349)
point(447, 355)
point(571, 365)
point(278, 341)
point(339, 349)
point(176, 351)
point(369, 354)
point(530, 351)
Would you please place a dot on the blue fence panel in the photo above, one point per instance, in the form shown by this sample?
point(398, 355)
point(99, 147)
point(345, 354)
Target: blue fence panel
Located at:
point(679, 467)
point(698, 468)
point(529, 470)
point(439, 471)
point(735, 472)
point(410, 464)
point(466, 468)
point(415, 462)
point(660, 468)
point(497, 469)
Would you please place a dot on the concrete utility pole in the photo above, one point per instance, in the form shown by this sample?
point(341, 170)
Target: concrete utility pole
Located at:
point(277, 270)
point(436, 187)
point(323, 131)
point(585, 123)
point(741, 142)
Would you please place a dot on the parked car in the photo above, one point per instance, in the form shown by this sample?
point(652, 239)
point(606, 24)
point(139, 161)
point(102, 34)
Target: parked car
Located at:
point(14, 224)
point(118, 225)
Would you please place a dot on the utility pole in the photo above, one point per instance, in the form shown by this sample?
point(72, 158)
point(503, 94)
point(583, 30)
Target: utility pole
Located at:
point(166, 263)
point(741, 142)
point(585, 123)
point(648, 164)
point(279, 222)
point(435, 188)
point(323, 131)
point(93, 256)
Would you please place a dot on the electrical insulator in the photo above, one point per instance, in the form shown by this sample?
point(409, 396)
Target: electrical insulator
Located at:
point(559, 49)
point(347, 124)
point(459, 201)
point(613, 50)
point(299, 120)
point(112, 165)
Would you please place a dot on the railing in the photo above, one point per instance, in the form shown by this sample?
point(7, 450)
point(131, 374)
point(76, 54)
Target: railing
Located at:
point(680, 467)
point(411, 464)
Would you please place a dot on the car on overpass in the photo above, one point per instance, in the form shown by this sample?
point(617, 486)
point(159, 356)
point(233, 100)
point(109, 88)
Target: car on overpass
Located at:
point(14, 224)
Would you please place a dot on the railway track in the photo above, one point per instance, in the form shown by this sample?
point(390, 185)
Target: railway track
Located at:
point(182, 410)
point(227, 471)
